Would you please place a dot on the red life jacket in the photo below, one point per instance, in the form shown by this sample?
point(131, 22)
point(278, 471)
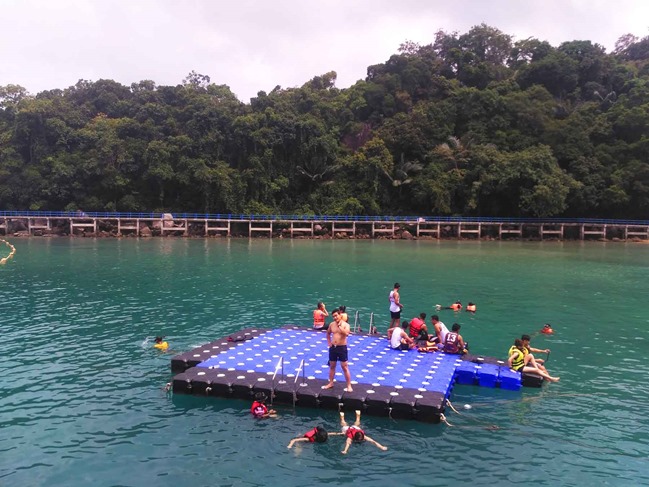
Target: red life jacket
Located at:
point(258, 409)
point(311, 435)
point(415, 327)
point(451, 344)
point(352, 430)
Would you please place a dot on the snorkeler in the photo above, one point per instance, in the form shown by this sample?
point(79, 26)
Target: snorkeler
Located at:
point(315, 435)
point(456, 306)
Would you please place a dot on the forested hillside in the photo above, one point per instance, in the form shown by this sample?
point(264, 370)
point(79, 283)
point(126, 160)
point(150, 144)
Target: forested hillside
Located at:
point(472, 124)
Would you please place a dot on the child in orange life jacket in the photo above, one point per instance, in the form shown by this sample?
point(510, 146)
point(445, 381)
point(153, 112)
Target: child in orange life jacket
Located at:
point(259, 408)
point(315, 435)
point(319, 315)
point(354, 433)
point(547, 329)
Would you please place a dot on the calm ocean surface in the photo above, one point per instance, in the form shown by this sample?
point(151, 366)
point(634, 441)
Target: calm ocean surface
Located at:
point(81, 399)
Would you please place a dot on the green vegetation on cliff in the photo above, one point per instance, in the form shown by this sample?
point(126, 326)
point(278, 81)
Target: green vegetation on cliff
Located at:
point(472, 124)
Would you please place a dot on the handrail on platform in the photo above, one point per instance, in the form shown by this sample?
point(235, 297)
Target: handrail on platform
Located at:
point(413, 220)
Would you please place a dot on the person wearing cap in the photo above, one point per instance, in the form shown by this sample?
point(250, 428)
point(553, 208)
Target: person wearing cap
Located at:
point(160, 344)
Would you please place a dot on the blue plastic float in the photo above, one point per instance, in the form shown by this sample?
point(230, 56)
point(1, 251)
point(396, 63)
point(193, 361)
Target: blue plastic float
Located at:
point(290, 365)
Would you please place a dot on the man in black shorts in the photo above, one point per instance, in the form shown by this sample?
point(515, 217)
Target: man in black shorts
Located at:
point(337, 334)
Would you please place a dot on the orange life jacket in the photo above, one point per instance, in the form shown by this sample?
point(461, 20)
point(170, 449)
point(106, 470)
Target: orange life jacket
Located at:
point(471, 307)
point(318, 318)
point(456, 307)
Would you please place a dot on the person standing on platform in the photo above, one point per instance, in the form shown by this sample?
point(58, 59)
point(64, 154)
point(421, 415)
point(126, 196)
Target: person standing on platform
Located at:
point(395, 306)
point(319, 315)
point(337, 334)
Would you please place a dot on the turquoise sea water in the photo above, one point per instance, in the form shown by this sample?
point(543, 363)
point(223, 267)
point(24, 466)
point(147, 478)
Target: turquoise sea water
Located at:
point(81, 399)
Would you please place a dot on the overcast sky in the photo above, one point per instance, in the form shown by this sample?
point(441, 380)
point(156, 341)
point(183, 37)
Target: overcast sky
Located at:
point(256, 45)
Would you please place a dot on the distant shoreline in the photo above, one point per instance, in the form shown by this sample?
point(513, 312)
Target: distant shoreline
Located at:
point(324, 228)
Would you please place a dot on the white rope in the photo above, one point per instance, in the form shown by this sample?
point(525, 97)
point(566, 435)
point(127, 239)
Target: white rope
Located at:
point(12, 252)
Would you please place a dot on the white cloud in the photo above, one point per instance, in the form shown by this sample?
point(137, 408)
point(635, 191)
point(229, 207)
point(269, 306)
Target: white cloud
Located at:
point(256, 45)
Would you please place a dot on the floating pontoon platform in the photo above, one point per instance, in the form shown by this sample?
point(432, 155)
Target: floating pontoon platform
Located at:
point(290, 365)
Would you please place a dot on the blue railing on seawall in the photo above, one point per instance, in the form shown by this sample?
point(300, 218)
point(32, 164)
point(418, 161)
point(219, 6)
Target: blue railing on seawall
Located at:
point(318, 218)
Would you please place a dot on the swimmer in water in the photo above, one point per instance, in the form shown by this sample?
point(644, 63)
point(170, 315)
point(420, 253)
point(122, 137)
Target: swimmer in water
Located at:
point(160, 344)
point(259, 409)
point(547, 329)
point(315, 435)
point(354, 433)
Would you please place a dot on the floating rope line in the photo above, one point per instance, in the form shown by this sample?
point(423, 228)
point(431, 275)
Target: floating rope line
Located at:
point(4, 260)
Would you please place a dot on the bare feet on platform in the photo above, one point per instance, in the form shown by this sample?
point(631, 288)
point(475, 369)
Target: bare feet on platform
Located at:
point(348, 389)
point(328, 386)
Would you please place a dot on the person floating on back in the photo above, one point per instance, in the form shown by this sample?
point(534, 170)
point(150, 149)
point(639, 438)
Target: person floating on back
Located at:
point(160, 344)
point(319, 315)
point(354, 433)
point(315, 435)
point(259, 408)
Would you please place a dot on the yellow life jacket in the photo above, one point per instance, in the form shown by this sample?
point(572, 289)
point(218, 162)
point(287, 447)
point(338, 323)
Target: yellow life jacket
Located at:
point(161, 346)
point(519, 361)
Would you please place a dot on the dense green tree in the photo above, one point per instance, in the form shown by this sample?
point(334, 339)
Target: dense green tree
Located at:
point(471, 124)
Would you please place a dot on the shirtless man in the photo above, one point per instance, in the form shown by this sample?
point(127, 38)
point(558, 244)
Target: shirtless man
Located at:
point(337, 334)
